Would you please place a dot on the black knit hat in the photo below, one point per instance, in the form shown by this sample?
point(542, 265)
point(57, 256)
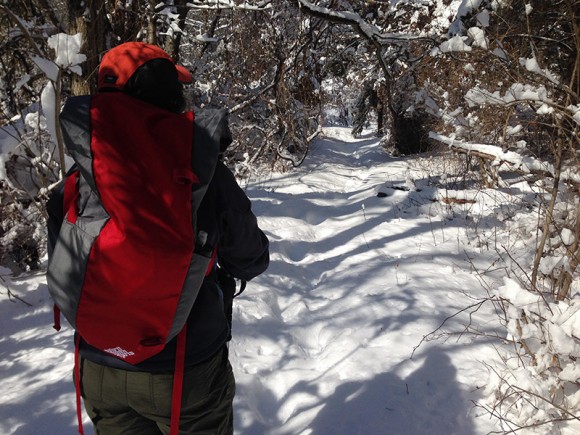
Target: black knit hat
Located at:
point(157, 82)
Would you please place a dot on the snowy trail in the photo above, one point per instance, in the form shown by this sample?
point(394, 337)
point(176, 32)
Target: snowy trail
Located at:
point(323, 340)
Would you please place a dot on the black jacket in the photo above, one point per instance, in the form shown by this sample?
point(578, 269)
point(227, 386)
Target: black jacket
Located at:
point(243, 251)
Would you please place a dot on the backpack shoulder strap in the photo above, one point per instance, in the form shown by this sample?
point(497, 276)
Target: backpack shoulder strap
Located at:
point(70, 212)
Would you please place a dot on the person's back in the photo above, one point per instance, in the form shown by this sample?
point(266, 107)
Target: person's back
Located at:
point(137, 398)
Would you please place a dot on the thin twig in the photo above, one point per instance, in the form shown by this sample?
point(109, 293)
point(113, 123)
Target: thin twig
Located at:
point(426, 337)
point(11, 294)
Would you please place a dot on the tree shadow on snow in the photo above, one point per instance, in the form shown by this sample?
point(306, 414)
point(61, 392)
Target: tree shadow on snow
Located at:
point(38, 392)
point(327, 247)
point(429, 401)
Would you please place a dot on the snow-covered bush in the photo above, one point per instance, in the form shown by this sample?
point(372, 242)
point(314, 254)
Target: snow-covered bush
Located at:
point(505, 94)
point(537, 386)
point(34, 66)
point(27, 168)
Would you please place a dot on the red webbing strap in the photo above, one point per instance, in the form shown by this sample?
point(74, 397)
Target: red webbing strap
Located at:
point(178, 382)
point(56, 314)
point(71, 193)
point(78, 385)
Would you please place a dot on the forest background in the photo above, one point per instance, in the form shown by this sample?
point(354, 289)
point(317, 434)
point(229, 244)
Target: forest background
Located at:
point(492, 85)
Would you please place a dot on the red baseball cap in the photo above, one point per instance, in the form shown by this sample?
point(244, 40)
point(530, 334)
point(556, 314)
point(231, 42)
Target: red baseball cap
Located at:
point(119, 64)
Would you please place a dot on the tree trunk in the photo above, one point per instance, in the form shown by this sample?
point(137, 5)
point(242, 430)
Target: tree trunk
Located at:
point(151, 23)
point(88, 19)
point(172, 44)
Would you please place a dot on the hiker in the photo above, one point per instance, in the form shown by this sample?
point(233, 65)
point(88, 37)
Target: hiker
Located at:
point(128, 130)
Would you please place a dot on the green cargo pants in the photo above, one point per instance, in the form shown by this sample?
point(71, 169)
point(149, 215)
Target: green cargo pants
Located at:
point(139, 403)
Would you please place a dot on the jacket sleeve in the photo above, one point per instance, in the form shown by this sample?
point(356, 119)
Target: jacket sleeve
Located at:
point(243, 249)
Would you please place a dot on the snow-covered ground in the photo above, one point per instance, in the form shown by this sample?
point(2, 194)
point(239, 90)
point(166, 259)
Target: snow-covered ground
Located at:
point(365, 263)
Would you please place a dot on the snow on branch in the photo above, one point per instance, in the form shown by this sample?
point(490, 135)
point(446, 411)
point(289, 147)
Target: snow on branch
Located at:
point(67, 51)
point(492, 152)
point(532, 65)
point(511, 159)
point(519, 93)
point(354, 20)
point(229, 4)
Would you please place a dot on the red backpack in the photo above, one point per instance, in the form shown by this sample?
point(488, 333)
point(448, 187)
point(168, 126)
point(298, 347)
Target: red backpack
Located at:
point(124, 272)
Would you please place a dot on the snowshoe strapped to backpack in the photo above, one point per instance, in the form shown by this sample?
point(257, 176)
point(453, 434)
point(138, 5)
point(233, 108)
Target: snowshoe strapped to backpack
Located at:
point(124, 271)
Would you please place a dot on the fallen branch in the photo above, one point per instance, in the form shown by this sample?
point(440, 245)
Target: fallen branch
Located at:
point(512, 161)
